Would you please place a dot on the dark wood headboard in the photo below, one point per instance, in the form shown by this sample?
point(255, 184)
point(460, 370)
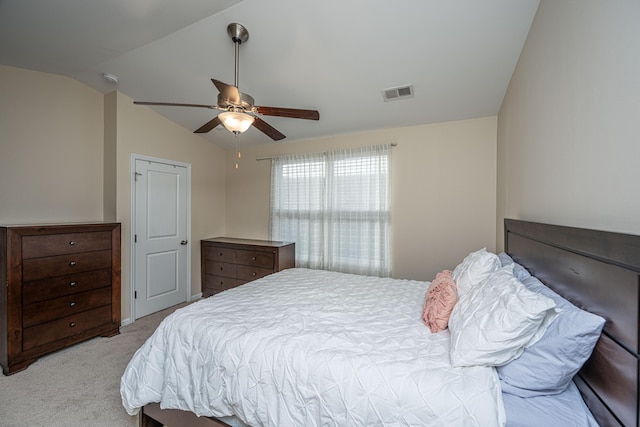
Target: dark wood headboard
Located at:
point(597, 271)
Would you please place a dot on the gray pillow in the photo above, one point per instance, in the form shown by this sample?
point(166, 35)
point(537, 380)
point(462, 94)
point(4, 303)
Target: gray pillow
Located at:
point(548, 366)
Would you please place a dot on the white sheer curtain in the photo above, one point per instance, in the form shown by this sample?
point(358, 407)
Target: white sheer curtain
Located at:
point(336, 207)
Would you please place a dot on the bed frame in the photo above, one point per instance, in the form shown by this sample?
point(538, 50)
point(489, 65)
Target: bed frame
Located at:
point(596, 270)
point(599, 272)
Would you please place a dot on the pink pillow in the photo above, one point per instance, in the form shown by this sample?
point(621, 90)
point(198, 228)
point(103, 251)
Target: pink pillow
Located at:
point(440, 299)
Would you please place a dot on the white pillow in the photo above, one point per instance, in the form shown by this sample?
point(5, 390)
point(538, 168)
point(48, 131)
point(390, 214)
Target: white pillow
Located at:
point(496, 320)
point(548, 366)
point(519, 271)
point(476, 267)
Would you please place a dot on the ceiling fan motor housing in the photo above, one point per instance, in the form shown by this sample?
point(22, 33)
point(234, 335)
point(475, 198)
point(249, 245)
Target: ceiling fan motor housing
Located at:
point(246, 102)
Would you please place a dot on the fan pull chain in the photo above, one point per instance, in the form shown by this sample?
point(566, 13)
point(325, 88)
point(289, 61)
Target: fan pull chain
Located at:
point(238, 155)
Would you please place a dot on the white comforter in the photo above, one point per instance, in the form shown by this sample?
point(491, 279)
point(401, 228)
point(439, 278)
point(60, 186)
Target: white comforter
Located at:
point(311, 348)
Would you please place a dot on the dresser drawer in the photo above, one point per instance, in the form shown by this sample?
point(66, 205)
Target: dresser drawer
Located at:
point(255, 258)
point(215, 284)
point(223, 269)
point(46, 289)
point(44, 311)
point(45, 333)
point(39, 268)
point(59, 244)
point(220, 254)
point(247, 273)
point(220, 283)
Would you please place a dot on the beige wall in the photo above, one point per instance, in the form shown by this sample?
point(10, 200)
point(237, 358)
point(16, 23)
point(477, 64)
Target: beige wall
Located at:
point(142, 131)
point(110, 179)
point(569, 126)
point(65, 152)
point(443, 190)
point(51, 149)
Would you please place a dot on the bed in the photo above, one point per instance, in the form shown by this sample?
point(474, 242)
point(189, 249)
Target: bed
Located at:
point(371, 362)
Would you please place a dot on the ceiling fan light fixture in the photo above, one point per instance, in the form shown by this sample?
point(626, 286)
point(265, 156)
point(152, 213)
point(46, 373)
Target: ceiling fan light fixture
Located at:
point(236, 121)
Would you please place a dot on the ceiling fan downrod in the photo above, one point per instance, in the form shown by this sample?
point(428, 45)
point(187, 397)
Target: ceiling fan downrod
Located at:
point(239, 35)
point(239, 111)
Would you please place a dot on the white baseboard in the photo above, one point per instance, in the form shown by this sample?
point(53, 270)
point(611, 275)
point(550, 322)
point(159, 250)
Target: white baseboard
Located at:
point(125, 322)
point(196, 297)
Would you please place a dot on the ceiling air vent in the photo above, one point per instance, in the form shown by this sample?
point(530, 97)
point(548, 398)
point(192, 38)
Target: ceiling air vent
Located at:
point(399, 92)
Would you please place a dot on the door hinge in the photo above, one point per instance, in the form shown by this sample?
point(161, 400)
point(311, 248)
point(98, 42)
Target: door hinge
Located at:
point(135, 294)
point(136, 175)
point(135, 238)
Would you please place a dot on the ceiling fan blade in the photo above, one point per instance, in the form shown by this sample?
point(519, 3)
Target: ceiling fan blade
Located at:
point(292, 113)
point(267, 129)
point(208, 126)
point(228, 92)
point(173, 104)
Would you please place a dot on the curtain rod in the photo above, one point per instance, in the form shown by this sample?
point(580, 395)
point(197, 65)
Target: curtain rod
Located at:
point(393, 144)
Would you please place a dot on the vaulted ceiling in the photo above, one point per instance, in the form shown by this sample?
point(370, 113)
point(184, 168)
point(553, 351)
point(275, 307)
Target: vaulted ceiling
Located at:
point(333, 56)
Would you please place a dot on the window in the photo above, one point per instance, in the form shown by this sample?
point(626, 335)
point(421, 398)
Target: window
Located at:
point(336, 207)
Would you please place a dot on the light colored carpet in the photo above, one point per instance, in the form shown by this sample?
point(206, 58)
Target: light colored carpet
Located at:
point(78, 386)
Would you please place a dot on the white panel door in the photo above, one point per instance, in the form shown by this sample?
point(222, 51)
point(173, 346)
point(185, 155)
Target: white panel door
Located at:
point(160, 236)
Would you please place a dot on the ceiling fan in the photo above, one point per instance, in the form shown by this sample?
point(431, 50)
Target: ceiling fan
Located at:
point(239, 111)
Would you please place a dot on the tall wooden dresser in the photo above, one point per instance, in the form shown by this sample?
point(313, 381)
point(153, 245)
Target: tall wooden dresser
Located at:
point(229, 262)
point(62, 287)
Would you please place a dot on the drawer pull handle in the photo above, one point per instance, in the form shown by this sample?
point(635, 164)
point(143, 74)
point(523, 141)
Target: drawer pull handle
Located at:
point(72, 243)
point(72, 263)
point(220, 254)
point(253, 258)
point(72, 284)
point(72, 304)
point(72, 324)
point(220, 268)
point(254, 273)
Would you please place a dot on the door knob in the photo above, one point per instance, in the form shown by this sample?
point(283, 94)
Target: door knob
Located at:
point(184, 242)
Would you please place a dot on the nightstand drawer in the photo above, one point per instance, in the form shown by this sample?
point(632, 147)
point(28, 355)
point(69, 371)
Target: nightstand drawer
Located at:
point(69, 243)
